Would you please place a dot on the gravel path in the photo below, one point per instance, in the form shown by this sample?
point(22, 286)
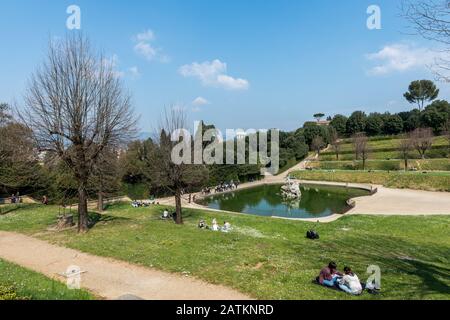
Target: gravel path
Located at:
point(108, 278)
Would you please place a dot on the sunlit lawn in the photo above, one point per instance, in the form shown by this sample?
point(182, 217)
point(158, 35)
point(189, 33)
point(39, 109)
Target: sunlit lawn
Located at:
point(432, 181)
point(20, 283)
point(264, 257)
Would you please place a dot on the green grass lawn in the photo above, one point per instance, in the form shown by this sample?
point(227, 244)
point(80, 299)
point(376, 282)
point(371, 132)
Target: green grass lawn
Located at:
point(17, 283)
point(387, 149)
point(432, 181)
point(392, 165)
point(263, 257)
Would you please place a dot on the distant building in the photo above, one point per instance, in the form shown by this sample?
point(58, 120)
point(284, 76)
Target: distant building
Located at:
point(324, 123)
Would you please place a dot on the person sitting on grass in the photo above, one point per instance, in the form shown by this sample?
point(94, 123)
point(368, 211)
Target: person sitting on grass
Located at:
point(202, 225)
point(329, 275)
point(215, 225)
point(226, 227)
point(350, 282)
point(165, 215)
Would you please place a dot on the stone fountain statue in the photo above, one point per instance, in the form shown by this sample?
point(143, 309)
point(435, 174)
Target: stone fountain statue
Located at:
point(291, 190)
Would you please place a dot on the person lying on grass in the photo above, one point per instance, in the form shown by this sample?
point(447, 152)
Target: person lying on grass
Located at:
point(350, 282)
point(329, 275)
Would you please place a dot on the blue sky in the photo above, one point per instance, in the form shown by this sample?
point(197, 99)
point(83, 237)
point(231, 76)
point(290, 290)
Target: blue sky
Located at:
point(245, 63)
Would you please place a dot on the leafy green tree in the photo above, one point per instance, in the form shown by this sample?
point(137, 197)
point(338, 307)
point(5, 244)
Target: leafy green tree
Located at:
point(393, 124)
point(319, 116)
point(356, 122)
point(339, 122)
point(374, 124)
point(420, 91)
point(312, 130)
point(413, 121)
point(20, 170)
point(436, 116)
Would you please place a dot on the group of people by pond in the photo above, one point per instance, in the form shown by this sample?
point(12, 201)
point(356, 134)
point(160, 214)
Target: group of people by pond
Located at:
point(222, 187)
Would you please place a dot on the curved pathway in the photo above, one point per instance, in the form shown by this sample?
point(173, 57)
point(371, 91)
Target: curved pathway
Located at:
point(108, 278)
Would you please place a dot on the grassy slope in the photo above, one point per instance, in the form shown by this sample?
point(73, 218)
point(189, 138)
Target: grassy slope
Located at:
point(393, 165)
point(266, 258)
point(433, 181)
point(387, 149)
point(31, 285)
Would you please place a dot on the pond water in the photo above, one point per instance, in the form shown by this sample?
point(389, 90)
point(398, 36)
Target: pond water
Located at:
point(316, 201)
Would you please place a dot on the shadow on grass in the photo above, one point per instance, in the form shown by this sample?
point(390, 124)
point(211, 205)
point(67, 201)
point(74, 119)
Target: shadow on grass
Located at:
point(399, 258)
point(431, 276)
point(96, 218)
point(6, 209)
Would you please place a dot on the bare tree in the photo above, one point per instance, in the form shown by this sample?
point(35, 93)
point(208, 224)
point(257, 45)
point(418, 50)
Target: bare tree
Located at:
point(317, 144)
point(422, 140)
point(405, 146)
point(77, 107)
point(447, 132)
point(361, 146)
point(162, 171)
point(431, 20)
point(335, 142)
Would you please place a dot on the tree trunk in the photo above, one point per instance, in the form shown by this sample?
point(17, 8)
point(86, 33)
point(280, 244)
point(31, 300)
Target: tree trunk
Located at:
point(406, 164)
point(100, 201)
point(82, 209)
point(178, 210)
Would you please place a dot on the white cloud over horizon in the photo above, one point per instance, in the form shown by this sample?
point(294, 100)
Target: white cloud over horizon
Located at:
point(213, 74)
point(146, 48)
point(401, 57)
point(200, 101)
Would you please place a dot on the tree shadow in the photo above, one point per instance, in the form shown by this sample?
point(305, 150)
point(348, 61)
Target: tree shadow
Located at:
point(399, 256)
point(430, 275)
point(96, 218)
point(12, 208)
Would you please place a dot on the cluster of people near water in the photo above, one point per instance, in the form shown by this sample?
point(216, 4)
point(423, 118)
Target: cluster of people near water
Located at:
point(347, 281)
point(215, 226)
point(222, 187)
point(142, 204)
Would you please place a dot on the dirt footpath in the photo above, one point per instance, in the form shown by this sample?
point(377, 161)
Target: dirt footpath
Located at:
point(105, 277)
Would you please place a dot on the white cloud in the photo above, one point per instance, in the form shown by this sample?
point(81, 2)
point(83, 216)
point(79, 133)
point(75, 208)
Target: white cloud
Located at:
point(148, 35)
point(145, 47)
point(401, 57)
point(113, 62)
point(134, 72)
point(213, 74)
point(200, 101)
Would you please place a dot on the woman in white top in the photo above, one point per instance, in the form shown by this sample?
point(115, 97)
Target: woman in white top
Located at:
point(215, 225)
point(350, 282)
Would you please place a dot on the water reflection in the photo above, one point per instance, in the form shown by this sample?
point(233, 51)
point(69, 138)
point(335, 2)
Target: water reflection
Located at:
point(266, 200)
